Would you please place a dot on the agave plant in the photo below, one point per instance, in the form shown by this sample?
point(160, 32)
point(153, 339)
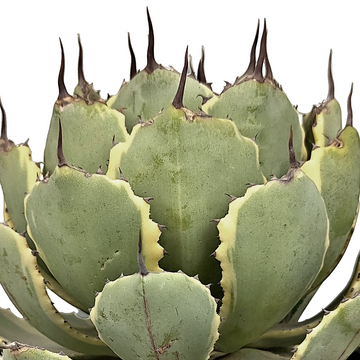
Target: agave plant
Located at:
point(183, 224)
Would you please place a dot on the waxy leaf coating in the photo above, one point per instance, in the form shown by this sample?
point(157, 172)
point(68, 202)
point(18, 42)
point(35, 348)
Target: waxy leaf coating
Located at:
point(161, 316)
point(272, 234)
point(91, 234)
point(187, 163)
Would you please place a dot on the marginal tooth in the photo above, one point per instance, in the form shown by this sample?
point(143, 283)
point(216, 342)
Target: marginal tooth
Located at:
point(114, 143)
point(314, 146)
point(148, 199)
point(227, 86)
point(204, 100)
point(122, 177)
point(232, 198)
point(99, 171)
point(215, 220)
point(25, 143)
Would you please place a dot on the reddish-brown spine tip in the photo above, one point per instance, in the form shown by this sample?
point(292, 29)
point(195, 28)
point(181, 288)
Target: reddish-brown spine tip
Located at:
point(258, 69)
point(60, 154)
point(201, 69)
point(178, 99)
point(3, 123)
point(152, 65)
point(349, 120)
point(251, 68)
point(268, 71)
point(133, 69)
point(331, 92)
point(61, 84)
point(81, 78)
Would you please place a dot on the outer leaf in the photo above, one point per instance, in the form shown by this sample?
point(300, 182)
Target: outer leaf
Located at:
point(86, 230)
point(273, 242)
point(148, 94)
point(18, 351)
point(335, 171)
point(337, 336)
point(25, 286)
point(326, 122)
point(7, 217)
point(254, 354)
point(323, 122)
point(18, 174)
point(19, 329)
point(326, 118)
point(286, 336)
point(262, 112)
point(352, 288)
point(188, 163)
point(161, 316)
point(88, 133)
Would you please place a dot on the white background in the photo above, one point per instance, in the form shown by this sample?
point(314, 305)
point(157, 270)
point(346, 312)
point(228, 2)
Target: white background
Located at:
point(300, 36)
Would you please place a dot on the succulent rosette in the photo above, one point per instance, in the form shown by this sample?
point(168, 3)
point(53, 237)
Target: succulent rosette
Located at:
point(183, 224)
